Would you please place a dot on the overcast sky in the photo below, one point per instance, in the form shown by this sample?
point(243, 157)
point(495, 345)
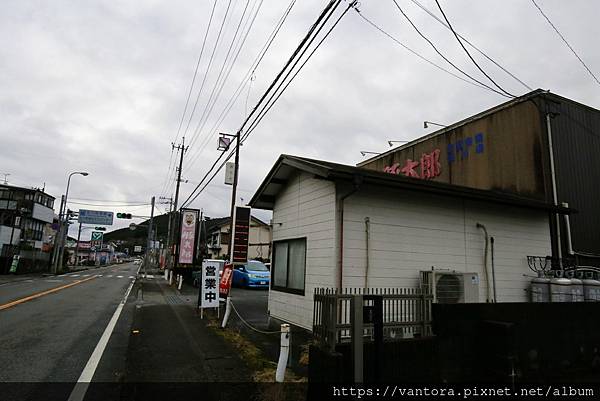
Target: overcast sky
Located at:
point(100, 86)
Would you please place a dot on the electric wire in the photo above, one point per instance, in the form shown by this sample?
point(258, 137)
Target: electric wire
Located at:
point(108, 205)
point(239, 46)
point(167, 178)
point(196, 70)
point(326, 14)
point(331, 6)
point(431, 14)
point(209, 65)
point(255, 64)
point(266, 109)
point(444, 57)
point(565, 41)
point(415, 53)
point(467, 51)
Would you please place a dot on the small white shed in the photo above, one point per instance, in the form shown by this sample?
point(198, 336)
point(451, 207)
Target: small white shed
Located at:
point(341, 226)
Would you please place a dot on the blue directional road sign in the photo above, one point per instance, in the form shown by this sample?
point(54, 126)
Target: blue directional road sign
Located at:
point(96, 217)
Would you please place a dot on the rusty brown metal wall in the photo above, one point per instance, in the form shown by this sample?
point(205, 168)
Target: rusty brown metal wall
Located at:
point(511, 159)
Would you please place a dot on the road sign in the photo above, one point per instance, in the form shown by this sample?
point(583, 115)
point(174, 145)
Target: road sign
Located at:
point(97, 236)
point(96, 217)
point(137, 248)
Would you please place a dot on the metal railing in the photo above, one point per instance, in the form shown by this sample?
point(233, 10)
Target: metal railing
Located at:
point(406, 313)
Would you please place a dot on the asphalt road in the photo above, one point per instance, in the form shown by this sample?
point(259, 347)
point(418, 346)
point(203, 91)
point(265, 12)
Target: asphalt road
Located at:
point(50, 338)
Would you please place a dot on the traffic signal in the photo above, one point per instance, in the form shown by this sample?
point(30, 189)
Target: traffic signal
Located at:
point(123, 215)
point(100, 228)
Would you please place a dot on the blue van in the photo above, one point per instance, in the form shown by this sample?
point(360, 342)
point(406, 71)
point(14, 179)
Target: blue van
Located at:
point(253, 274)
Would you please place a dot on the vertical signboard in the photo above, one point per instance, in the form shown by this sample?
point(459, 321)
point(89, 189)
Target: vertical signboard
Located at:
point(209, 286)
point(225, 283)
point(241, 233)
point(187, 236)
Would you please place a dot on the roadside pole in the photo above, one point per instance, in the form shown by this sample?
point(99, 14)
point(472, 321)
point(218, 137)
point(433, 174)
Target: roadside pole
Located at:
point(77, 246)
point(57, 237)
point(183, 149)
point(149, 240)
point(232, 223)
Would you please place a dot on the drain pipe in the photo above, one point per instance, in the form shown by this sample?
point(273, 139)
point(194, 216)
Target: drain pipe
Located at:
point(485, 264)
point(357, 182)
point(493, 269)
point(367, 234)
point(568, 229)
point(554, 190)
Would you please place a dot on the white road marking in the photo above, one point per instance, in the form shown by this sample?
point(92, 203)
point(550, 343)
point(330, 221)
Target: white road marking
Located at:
point(85, 275)
point(74, 275)
point(131, 276)
point(87, 374)
point(119, 276)
point(149, 276)
point(110, 275)
point(100, 275)
point(54, 281)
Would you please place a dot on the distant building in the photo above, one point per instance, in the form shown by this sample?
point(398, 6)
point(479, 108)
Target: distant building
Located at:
point(218, 238)
point(26, 217)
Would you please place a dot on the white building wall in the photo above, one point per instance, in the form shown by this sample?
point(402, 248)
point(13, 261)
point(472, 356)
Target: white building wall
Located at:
point(306, 208)
point(410, 232)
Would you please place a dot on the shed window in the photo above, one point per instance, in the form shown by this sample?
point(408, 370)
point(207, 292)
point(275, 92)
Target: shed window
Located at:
point(289, 265)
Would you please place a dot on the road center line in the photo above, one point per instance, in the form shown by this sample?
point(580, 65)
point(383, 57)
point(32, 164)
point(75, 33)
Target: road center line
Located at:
point(78, 393)
point(41, 294)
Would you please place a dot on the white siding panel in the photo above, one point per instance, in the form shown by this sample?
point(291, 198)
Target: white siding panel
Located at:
point(305, 208)
point(410, 232)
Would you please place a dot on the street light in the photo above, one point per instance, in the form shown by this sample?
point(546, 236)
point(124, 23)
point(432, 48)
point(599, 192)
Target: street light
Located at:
point(63, 221)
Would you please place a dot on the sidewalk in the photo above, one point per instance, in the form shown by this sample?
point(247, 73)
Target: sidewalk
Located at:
point(170, 344)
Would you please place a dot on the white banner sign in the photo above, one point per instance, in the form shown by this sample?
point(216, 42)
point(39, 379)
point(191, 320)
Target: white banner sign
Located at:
point(209, 286)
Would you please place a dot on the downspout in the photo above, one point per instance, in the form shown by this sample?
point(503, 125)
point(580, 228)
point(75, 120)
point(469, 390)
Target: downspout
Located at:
point(367, 237)
point(554, 194)
point(485, 264)
point(568, 229)
point(493, 269)
point(357, 182)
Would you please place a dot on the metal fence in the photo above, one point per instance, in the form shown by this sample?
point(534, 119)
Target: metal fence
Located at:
point(406, 313)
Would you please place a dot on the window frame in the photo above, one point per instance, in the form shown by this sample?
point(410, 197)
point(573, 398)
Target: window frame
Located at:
point(287, 280)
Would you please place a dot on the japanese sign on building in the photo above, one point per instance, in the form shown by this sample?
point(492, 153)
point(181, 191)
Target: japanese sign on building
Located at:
point(209, 286)
point(187, 242)
point(429, 166)
point(241, 232)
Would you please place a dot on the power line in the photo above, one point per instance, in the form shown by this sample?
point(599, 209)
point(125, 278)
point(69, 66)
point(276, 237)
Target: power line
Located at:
point(442, 56)
point(108, 205)
point(431, 14)
point(208, 67)
point(415, 53)
point(326, 14)
point(196, 70)
point(255, 64)
point(257, 120)
point(565, 40)
point(208, 109)
point(466, 51)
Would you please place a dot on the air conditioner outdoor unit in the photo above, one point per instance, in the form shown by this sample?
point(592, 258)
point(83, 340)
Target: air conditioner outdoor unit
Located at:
point(451, 287)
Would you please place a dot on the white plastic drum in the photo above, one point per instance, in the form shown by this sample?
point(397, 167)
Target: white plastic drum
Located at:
point(591, 290)
point(560, 290)
point(577, 290)
point(540, 290)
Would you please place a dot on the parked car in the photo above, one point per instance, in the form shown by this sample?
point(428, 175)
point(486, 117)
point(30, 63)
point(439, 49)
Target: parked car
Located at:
point(197, 275)
point(253, 274)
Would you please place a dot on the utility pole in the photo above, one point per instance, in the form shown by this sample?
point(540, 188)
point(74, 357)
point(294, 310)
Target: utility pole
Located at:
point(233, 194)
point(182, 148)
point(77, 246)
point(164, 200)
point(149, 240)
point(5, 180)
